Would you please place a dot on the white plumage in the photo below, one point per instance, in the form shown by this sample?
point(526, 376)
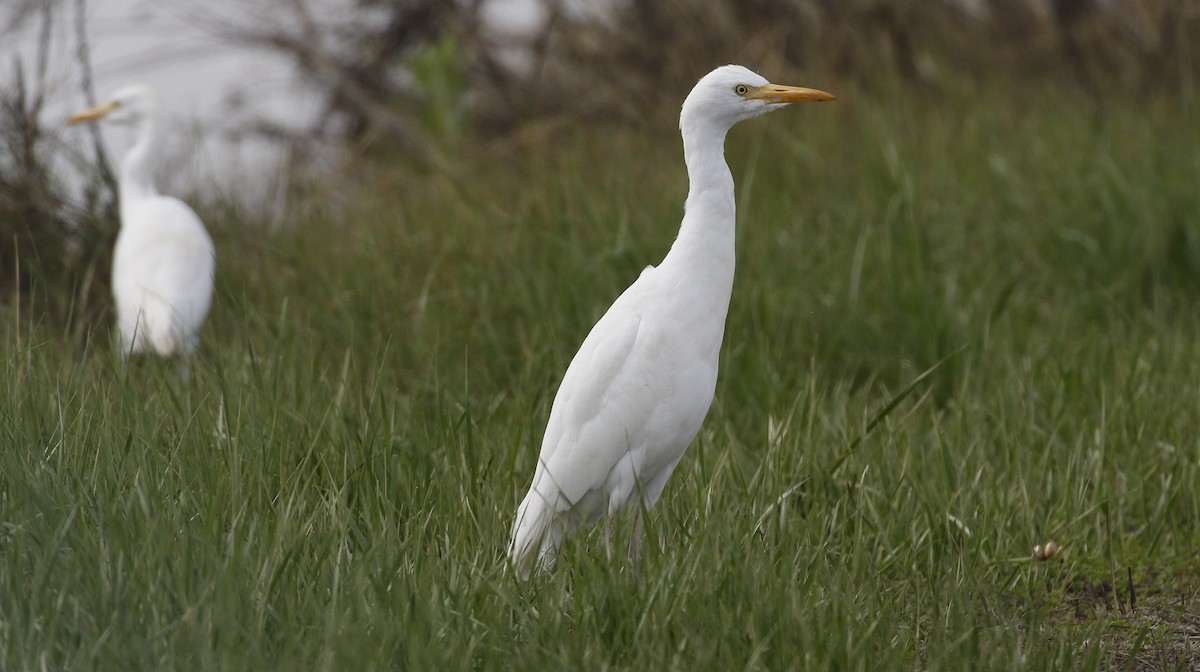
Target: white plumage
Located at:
point(636, 393)
point(164, 260)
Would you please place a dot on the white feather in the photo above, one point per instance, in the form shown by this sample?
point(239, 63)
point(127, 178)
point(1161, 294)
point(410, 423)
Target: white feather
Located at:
point(637, 392)
point(164, 260)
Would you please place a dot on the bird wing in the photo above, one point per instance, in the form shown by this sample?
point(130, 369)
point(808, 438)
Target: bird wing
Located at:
point(603, 399)
point(172, 256)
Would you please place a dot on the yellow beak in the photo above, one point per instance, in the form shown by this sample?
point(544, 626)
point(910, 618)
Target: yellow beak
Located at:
point(94, 113)
point(776, 94)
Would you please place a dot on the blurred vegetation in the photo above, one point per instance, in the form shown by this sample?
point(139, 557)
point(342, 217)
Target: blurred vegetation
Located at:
point(636, 59)
point(56, 247)
point(419, 79)
point(55, 242)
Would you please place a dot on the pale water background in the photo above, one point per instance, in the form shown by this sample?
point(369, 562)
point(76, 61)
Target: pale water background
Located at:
point(215, 90)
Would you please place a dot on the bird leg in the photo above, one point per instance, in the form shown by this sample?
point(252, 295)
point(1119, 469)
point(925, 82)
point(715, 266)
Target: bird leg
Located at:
point(635, 540)
point(609, 529)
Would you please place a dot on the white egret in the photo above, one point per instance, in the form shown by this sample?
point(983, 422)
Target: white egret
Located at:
point(636, 393)
point(164, 260)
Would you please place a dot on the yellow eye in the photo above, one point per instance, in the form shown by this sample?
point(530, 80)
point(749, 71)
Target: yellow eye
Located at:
point(741, 89)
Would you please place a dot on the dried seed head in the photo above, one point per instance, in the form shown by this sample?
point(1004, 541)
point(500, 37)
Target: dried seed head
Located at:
point(1046, 551)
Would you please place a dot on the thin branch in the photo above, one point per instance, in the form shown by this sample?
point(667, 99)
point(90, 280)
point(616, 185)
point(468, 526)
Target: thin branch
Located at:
point(43, 51)
point(83, 54)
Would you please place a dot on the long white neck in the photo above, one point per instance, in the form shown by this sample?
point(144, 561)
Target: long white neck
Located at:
point(137, 168)
point(699, 268)
point(704, 249)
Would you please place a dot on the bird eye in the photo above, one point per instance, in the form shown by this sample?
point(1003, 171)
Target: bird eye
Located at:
point(741, 89)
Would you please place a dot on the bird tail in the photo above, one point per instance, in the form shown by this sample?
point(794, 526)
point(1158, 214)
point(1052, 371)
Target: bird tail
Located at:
point(535, 536)
point(163, 327)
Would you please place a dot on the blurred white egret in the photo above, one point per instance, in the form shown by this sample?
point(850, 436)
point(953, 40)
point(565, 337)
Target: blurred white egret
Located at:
point(637, 391)
point(164, 260)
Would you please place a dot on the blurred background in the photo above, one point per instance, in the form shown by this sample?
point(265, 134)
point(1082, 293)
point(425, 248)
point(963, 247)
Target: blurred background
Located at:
point(272, 101)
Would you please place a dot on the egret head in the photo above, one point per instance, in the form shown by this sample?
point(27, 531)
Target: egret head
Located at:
point(732, 94)
point(129, 105)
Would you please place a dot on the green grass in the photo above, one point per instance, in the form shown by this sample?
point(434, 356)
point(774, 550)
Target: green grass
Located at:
point(333, 486)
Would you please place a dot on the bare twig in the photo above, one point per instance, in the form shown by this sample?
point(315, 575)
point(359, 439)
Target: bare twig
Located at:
point(43, 52)
point(83, 54)
point(1132, 593)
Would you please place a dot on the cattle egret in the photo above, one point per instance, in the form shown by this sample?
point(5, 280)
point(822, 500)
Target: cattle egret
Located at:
point(164, 261)
point(637, 391)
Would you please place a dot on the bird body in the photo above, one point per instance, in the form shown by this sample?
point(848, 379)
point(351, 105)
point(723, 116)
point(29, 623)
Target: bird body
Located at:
point(163, 266)
point(636, 393)
point(164, 260)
